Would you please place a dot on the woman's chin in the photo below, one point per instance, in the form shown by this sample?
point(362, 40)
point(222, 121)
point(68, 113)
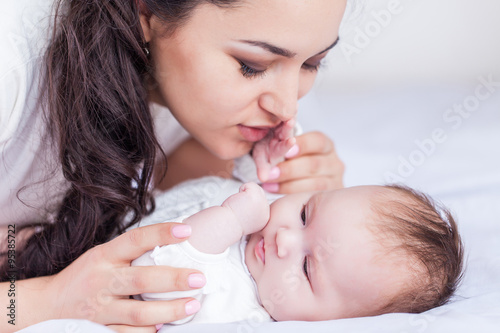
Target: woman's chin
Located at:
point(234, 151)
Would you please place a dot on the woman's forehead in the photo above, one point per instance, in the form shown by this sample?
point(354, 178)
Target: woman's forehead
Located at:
point(298, 25)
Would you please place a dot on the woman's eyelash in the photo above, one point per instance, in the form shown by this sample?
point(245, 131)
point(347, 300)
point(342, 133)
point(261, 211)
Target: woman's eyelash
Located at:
point(250, 72)
point(311, 68)
point(303, 215)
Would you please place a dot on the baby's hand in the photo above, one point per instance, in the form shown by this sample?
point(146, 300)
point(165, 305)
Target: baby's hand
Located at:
point(271, 150)
point(250, 207)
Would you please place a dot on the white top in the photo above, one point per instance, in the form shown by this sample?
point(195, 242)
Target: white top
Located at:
point(26, 155)
point(230, 293)
point(23, 157)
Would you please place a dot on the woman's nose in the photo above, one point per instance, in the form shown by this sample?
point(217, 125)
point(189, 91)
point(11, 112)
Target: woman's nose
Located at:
point(286, 241)
point(282, 101)
point(284, 110)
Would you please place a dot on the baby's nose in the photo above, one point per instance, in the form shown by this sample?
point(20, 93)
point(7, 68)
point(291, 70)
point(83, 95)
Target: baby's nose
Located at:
point(286, 241)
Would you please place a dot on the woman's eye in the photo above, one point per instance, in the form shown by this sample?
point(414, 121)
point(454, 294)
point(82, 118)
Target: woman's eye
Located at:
point(303, 215)
point(305, 268)
point(250, 72)
point(311, 67)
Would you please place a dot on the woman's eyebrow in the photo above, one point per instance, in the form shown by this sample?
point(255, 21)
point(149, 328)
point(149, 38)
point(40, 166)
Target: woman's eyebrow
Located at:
point(271, 48)
point(282, 51)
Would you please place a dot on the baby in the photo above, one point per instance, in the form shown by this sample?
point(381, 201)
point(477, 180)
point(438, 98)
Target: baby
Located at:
point(352, 252)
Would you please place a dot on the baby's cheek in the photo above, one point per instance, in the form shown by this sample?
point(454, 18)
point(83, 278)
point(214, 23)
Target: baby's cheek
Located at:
point(274, 300)
point(287, 298)
point(277, 311)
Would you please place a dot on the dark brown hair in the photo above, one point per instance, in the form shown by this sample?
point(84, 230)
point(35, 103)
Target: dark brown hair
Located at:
point(98, 116)
point(426, 233)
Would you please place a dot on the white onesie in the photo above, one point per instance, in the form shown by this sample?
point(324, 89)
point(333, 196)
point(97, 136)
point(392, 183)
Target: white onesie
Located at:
point(230, 293)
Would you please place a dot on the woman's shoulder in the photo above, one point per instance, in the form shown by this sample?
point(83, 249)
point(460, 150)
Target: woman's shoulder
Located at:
point(24, 29)
point(24, 32)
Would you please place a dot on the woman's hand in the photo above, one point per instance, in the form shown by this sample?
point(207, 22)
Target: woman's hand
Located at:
point(97, 285)
point(312, 164)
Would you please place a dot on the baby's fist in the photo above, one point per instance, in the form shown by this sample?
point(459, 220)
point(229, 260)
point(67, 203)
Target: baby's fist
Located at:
point(250, 206)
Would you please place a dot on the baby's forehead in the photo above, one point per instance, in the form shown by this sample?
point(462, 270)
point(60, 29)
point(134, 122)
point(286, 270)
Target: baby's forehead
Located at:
point(366, 197)
point(367, 192)
point(359, 210)
point(372, 209)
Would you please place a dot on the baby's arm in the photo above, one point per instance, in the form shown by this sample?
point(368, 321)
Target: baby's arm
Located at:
point(216, 228)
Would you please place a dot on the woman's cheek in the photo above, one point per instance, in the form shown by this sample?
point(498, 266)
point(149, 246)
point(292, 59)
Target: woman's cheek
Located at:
point(306, 84)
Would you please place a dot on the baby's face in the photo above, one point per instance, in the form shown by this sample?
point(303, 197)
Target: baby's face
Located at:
point(317, 259)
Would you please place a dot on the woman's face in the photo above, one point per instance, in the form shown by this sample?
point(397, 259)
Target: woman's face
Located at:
point(230, 74)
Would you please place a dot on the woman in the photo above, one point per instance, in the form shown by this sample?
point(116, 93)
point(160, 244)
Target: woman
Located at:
point(228, 71)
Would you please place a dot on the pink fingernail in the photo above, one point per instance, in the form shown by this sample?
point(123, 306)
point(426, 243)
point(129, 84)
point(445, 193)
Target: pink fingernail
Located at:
point(293, 151)
point(192, 307)
point(274, 173)
point(159, 326)
point(181, 231)
point(271, 187)
point(196, 280)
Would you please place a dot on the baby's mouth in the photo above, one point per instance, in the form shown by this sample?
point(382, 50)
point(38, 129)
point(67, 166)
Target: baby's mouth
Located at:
point(260, 252)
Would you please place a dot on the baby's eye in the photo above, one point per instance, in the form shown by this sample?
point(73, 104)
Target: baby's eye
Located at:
point(305, 268)
point(303, 215)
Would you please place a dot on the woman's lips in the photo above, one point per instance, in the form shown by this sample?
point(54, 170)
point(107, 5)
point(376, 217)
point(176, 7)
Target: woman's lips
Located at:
point(260, 252)
point(253, 134)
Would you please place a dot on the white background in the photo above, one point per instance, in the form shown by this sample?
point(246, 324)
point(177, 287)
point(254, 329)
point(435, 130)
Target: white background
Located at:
point(438, 41)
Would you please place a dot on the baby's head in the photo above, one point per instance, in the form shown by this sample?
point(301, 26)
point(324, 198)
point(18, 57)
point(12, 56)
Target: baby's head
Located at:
point(354, 252)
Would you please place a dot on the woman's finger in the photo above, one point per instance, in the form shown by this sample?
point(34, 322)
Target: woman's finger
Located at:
point(314, 143)
point(309, 166)
point(136, 242)
point(155, 279)
point(310, 185)
point(139, 313)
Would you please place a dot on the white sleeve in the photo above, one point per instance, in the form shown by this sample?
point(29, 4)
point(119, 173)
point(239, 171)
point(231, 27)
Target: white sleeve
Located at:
point(13, 86)
point(23, 38)
point(23, 156)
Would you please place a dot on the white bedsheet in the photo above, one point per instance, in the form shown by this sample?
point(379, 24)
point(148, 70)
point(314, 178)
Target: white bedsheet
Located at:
point(373, 133)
